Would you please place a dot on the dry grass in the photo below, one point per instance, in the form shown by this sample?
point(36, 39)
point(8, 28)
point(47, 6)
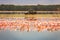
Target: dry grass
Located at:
point(29, 15)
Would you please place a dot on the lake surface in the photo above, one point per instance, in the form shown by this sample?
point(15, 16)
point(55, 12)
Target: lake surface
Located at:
point(17, 35)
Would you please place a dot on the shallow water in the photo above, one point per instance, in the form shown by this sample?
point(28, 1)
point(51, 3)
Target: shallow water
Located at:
point(17, 35)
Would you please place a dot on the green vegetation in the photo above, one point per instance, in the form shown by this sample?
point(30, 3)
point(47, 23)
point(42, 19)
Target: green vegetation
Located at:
point(27, 7)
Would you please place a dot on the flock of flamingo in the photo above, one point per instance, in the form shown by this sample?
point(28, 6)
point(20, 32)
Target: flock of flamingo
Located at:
point(30, 24)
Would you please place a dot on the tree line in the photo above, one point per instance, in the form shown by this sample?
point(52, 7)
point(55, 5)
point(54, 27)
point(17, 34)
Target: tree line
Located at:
point(28, 7)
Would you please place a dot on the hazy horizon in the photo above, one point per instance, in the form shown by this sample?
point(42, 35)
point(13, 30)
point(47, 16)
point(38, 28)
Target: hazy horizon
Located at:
point(30, 2)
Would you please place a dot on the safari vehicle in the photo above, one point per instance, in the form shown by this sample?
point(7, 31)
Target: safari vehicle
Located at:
point(31, 11)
